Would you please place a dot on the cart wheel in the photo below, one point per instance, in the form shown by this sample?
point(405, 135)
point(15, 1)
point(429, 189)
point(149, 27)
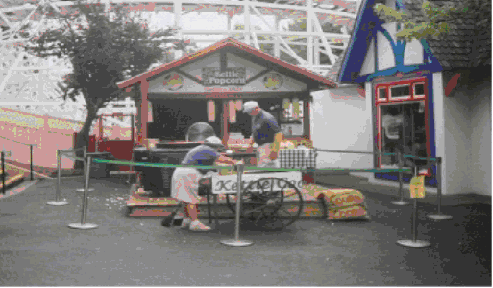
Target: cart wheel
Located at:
point(271, 203)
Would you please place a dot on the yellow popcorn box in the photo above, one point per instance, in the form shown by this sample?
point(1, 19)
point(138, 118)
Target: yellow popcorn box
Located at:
point(417, 187)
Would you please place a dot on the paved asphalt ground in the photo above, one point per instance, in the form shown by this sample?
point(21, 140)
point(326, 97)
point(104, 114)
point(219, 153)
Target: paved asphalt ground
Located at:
point(37, 248)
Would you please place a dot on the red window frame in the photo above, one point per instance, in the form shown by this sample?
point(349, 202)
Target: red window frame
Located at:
point(377, 93)
point(411, 98)
point(414, 90)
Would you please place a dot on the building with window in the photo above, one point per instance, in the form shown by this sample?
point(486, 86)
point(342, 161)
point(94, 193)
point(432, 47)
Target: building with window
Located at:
point(429, 98)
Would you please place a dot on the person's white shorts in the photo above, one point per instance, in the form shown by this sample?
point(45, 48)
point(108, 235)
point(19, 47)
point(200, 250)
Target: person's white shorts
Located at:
point(185, 185)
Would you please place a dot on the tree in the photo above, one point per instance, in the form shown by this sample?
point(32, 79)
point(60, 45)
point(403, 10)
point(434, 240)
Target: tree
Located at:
point(435, 20)
point(103, 48)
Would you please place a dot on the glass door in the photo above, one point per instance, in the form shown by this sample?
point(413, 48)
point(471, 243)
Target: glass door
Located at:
point(402, 127)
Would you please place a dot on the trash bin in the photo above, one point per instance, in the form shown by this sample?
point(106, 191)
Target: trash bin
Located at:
point(141, 154)
point(101, 170)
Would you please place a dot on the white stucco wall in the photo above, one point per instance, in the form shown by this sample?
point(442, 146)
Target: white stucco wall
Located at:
point(480, 125)
point(463, 138)
point(368, 136)
point(368, 66)
point(413, 53)
point(341, 121)
point(457, 143)
point(439, 118)
point(385, 53)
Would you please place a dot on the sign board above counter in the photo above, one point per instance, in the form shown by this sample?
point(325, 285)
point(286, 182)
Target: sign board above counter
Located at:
point(238, 75)
point(230, 76)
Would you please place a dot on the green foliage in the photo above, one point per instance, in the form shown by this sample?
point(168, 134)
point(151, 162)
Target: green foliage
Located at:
point(431, 21)
point(102, 51)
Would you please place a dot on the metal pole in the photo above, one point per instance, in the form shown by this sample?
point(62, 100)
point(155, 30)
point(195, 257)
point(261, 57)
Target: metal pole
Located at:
point(401, 180)
point(82, 220)
point(86, 186)
point(32, 164)
point(415, 210)
point(415, 220)
point(59, 181)
point(439, 215)
point(3, 173)
point(209, 205)
point(238, 203)
point(83, 224)
point(237, 242)
point(59, 170)
point(414, 243)
point(216, 221)
point(439, 185)
point(84, 189)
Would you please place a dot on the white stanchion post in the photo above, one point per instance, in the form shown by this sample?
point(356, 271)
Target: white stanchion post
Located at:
point(57, 201)
point(237, 242)
point(83, 224)
point(84, 189)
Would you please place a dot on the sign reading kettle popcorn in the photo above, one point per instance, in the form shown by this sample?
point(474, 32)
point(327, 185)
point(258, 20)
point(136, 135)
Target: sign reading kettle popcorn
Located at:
point(229, 76)
point(228, 184)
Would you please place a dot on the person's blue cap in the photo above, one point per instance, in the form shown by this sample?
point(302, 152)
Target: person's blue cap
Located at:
point(206, 158)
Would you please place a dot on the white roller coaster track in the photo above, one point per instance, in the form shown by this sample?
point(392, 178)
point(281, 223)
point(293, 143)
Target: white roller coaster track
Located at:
point(29, 81)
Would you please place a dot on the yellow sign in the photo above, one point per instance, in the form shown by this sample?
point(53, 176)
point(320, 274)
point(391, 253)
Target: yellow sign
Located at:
point(173, 82)
point(273, 81)
point(417, 187)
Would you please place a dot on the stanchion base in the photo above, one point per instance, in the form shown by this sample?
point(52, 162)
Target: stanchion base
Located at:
point(237, 243)
point(402, 203)
point(57, 203)
point(439, 217)
point(82, 226)
point(82, 190)
point(414, 244)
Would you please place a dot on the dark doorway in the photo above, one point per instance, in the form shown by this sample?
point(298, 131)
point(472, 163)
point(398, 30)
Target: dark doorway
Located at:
point(173, 117)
